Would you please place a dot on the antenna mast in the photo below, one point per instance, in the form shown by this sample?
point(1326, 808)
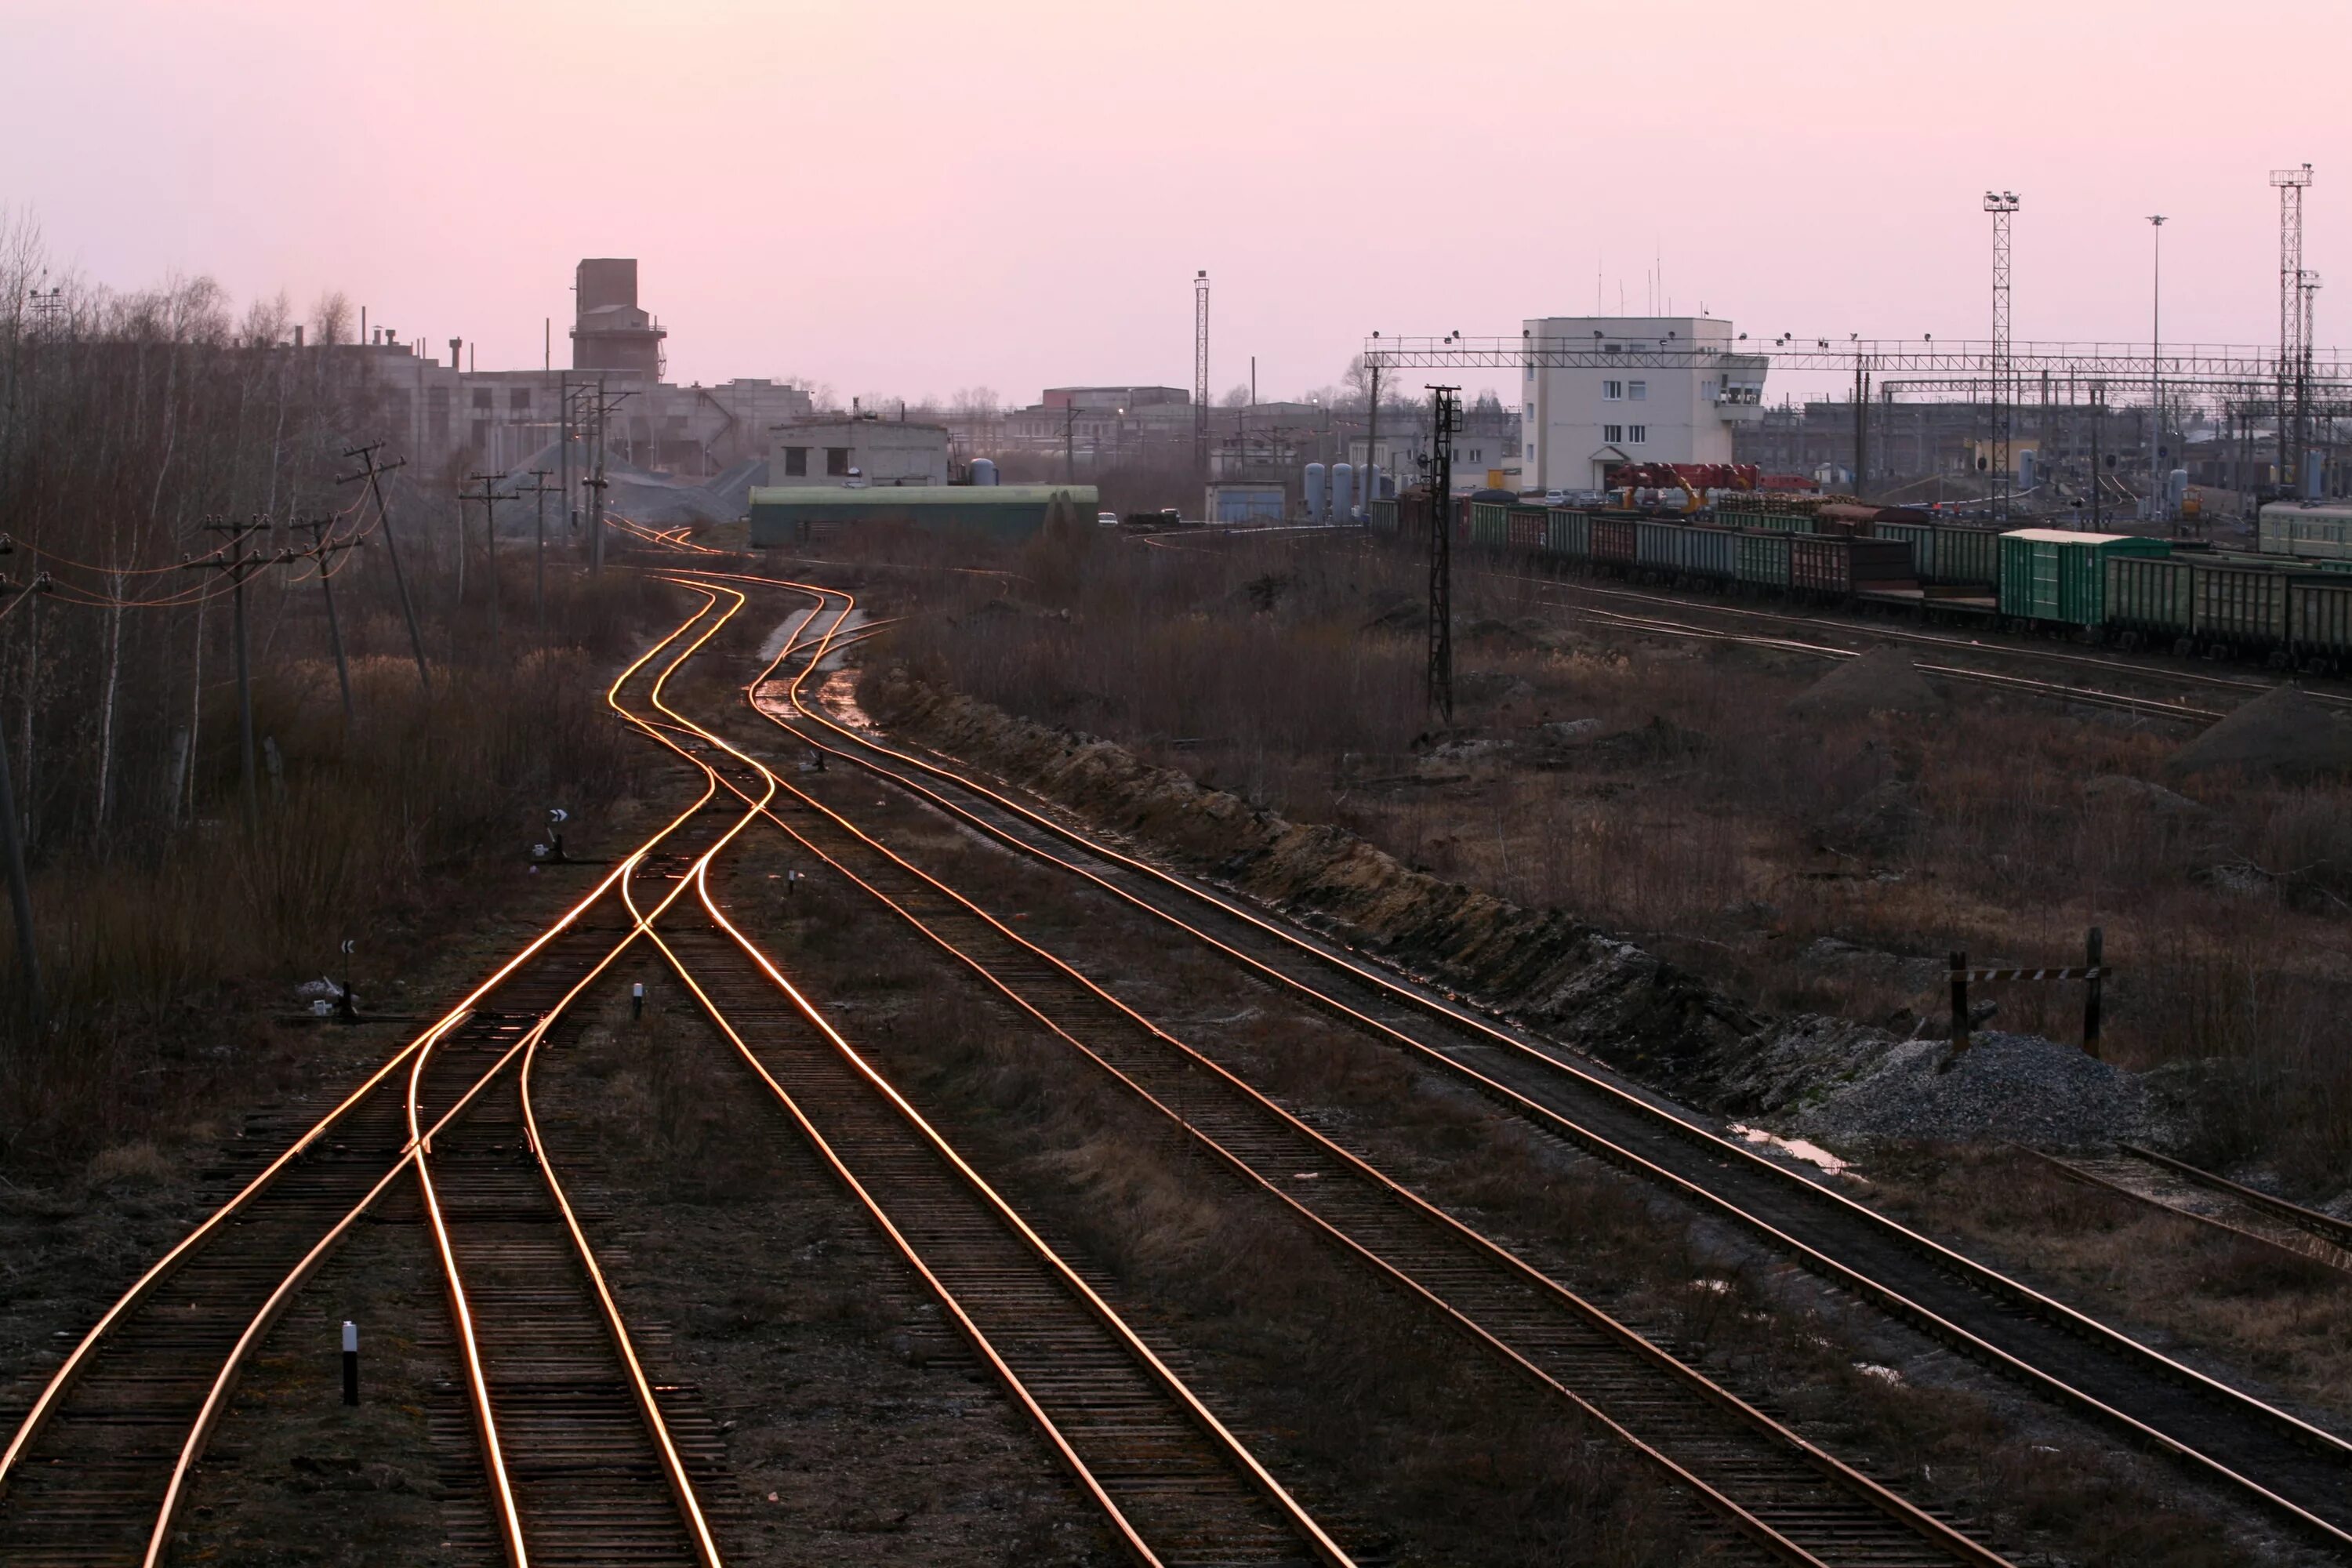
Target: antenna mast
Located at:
point(2002, 204)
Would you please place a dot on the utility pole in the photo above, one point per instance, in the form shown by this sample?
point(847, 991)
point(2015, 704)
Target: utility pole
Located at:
point(596, 485)
point(1070, 443)
point(2098, 419)
point(489, 498)
point(374, 476)
point(239, 566)
point(539, 489)
point(2002, 204)
point(1370, 478)
point(1446, 417)
point(2156, 484)
point(20, 890)
point(324, 552)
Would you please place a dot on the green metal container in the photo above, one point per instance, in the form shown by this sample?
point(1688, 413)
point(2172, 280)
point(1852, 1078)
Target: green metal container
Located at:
point(1383, 515)
point(2051, 575)
point(1712, 554)
point(1762, 558)
point(2152, 595)
point(1658, 545)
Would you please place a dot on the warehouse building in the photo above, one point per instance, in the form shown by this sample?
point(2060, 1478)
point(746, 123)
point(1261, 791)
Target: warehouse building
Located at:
point(1578, 422)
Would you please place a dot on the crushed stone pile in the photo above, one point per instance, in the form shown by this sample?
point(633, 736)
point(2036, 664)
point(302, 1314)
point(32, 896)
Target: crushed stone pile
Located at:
point(2022, 1086)
point(2281, 732)
point(1882, 681)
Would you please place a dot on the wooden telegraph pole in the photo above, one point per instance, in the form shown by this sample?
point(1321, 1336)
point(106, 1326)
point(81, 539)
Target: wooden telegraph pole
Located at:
point(324, 554)
point(539, 490)
point(20, 892)
point(240, 567)
point(374, 475)
point(489, 498)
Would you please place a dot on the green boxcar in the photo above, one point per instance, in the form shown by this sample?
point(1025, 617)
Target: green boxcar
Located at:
point(2052, 574)
point(1384, 515)
point(1763, 559)
point(2151, 595)
point(1568, 533)
point(2240, 606)
point(1967, 556)
point(1490, 525)
point(2319, 617)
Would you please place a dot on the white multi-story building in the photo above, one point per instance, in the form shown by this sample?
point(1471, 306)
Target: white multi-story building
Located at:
point(861, 450)
point(1657, 389)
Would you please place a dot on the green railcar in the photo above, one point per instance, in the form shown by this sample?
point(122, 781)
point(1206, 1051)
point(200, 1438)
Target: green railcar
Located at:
point(1658, 545)
point(2051, 575)
point(1490, 524)
point(1967, 556)
point(1382, 516)
point(2151, 596)
point(1568, 533)
point(1762, 558)
point(1920, 537)
point(2239, 606)
point(2319, 619)
point(2307, 530)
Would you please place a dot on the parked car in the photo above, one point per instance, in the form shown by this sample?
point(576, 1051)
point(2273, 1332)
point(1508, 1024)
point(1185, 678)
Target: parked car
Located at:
point(1555, 497)
point(1107, 518)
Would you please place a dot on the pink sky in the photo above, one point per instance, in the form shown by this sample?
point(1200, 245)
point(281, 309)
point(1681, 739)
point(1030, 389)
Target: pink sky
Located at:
point(919, 196)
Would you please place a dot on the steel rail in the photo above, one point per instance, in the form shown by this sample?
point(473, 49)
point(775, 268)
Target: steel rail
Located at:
point(1234, 1449)
point(1831, 1468)
point(2325, 1225)
point(2141, 670)
point(2117, 701)
point(1129, 1537)
point(46, 1404)
point(2086, 1176)
point(1722, 1150)
point(509, 1518)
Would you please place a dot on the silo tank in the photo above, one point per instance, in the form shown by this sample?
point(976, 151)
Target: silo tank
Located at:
point(1343, 491)
point(1315, 474)
point(984, 471)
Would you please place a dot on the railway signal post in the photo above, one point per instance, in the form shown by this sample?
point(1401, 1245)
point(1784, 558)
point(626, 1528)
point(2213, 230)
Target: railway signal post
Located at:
point(1446, 418)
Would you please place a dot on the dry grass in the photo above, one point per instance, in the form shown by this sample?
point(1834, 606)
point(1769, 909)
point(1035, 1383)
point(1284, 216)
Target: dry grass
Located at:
point(1701, 818)
point(162, 959)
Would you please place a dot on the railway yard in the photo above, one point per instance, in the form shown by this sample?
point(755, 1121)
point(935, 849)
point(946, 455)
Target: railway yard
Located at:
point(920, 1136)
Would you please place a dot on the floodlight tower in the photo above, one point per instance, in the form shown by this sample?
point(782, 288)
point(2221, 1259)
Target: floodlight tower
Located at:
point(2292, 384)
point(1200, 372)
point(2002, 204)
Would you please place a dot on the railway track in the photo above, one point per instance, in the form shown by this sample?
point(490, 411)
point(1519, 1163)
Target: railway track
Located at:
point(100, 1459)
point(1787, 1496)
point(2160, 1182)
point(1176, 1484)
point(2290, 1466)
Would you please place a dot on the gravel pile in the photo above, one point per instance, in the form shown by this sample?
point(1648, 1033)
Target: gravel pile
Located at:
point(1882, 681)
point(2281, 732)
point(2005, 1086)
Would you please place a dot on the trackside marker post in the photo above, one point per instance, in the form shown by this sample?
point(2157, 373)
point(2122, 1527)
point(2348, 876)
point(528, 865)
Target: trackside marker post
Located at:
point(637, 1000)
point(351, 1361)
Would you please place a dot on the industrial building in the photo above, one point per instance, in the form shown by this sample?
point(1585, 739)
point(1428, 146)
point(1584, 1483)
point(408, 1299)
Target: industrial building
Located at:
point(856, 451)
point(783, 516)
point(1577, 422)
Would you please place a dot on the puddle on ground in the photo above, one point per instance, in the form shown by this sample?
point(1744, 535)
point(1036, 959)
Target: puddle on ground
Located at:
point(1811, 1153)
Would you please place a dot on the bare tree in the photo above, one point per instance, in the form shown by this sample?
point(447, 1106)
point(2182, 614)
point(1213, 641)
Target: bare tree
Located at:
point(331, 318)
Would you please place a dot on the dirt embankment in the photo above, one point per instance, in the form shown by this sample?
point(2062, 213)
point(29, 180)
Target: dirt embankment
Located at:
point(1611, 998)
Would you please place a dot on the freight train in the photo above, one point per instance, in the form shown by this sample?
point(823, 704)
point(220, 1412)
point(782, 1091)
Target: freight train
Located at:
point(2289, 604)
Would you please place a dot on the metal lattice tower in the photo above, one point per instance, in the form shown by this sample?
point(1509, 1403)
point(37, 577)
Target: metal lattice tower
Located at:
point(2308, 290)
point(1445, 420)
point(2293, 382)
point(2002, 204)
point(1200, 372)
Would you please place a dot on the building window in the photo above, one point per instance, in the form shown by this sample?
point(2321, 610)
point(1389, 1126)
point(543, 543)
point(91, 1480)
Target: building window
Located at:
point(482, 397)
point(1637, 391)
point(1636, 434)
point(796, 462)
point(518, 398)
point(1612, 434)
point(836, 462)
point(1611, 391)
